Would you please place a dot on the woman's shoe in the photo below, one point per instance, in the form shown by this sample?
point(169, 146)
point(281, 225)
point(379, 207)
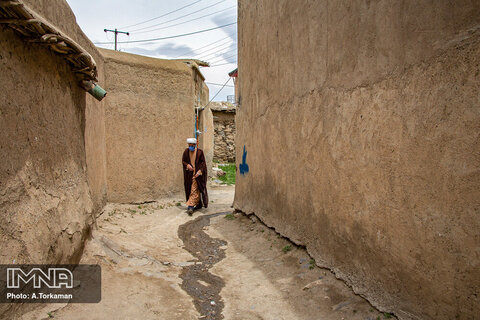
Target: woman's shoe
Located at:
point(190, 210)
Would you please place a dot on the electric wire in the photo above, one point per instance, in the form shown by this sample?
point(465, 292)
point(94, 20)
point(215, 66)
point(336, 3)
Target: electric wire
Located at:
point(218, 84)
point(223, 64)
point(228, 43)
point(217, 49)
point(205, 46)
point(166, 14)
point(180, 23)
point(215, 55)
point(171, 37)
point(217, 93)
point(219, 59)
point(185, 15)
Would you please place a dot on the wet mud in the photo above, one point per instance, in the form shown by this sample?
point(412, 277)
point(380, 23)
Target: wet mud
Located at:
point(198, 282)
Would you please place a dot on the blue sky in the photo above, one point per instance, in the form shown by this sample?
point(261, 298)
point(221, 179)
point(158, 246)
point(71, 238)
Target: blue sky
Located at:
point(219, 47)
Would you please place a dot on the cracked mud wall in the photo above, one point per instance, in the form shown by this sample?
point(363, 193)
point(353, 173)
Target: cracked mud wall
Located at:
point(360, 122)
point(60, 14)
point(149, 116)
point(52, 168)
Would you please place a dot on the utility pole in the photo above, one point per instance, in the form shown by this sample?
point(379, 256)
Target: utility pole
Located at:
point(116, 33)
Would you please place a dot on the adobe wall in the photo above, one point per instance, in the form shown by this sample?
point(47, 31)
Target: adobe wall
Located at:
point(149, 115)
point(361, 125)
point(50, 188)
point(206, 138)
point(60, 14)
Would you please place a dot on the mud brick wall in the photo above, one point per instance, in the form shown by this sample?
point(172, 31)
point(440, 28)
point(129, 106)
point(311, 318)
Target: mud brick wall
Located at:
point(149, 116)
point(206, 138)
point(52, 172)
point(358, 137)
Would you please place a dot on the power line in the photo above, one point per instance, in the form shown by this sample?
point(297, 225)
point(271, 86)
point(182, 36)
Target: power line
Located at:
point(223, 64)
point(185, 15)
point(219, 84)
point(217, 93)
point(177, 24)
point(171, 37)
point(197, 53)
point(224, 58)
point(166, 14)
point(208, 45)
point(216, 52)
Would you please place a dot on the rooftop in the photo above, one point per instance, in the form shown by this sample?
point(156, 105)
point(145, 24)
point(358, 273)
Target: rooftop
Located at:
point(222, 106)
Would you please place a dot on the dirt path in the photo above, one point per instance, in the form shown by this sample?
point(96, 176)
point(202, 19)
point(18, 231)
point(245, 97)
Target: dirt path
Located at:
point(159, 263)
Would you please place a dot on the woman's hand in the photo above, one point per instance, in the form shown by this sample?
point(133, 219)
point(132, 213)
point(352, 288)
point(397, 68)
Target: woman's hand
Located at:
point(189, 167)
point(199, 173)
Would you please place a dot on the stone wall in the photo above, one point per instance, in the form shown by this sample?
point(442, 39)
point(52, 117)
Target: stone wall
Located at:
point(224, 123)
point(361, 124)
point(149, 116)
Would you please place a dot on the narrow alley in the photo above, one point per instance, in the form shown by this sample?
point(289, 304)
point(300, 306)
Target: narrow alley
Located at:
point(157, 261)
point(240, 160)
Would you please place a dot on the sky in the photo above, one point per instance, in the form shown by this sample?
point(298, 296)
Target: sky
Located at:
point(150, 19)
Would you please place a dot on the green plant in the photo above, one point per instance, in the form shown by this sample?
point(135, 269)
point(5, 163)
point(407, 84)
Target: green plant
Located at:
point(230, 171)
point(311, 264)
point(178, 204)
point(143, 212)
point(230, 216)
point(139, 207)
point(132, 211)
point(387, 315)
point(287, 248)
point(49, 314)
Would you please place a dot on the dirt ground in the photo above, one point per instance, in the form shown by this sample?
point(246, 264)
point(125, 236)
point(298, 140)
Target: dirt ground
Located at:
point(159, 263)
